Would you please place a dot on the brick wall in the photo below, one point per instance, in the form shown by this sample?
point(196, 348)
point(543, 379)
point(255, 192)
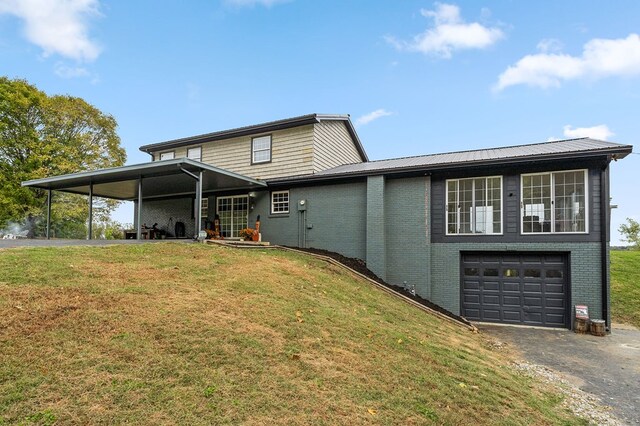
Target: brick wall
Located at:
point(167, 212)
point(584, 269)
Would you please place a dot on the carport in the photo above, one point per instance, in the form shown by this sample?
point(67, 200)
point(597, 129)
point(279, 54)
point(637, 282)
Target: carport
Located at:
point(147, 181)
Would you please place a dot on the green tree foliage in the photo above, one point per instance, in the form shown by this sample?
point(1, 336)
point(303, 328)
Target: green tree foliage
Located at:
point(42, 136)
point(631, 232)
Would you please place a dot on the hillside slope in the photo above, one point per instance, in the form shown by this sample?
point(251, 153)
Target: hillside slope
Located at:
point(184, 333)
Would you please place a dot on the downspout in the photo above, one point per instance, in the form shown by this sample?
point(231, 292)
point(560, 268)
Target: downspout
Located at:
point(604, 231)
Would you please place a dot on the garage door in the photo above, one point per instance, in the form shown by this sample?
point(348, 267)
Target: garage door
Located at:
point(515, 288)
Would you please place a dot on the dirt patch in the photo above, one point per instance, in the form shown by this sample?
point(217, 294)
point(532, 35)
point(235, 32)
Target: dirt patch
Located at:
point(360, 266)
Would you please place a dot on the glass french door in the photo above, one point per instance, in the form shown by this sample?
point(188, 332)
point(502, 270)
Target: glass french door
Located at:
point(234, 214)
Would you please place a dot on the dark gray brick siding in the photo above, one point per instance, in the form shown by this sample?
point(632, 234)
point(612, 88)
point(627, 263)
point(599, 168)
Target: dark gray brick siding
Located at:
point(584, 264)
point(406, 243)
point(335, 219)
point(375, 207)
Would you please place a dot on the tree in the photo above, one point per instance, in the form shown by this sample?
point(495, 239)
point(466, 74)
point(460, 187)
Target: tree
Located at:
point(631, 232)
point(42, 136)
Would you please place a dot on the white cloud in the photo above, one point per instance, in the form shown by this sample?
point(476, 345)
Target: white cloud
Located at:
point(57, 26)
point(549, 45)
point(374, 115)
point(65, 71)
point(449, 33)
point(601, 132)
point(600, 58)
point(265, 3)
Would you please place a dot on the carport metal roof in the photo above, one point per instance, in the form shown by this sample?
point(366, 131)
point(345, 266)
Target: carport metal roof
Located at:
point(159, 179)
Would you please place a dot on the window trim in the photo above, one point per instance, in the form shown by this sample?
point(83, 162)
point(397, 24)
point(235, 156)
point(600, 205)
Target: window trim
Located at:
point(288, 202)
point(473, 234)
point(167, 152)
point(270, 135)
point(585, 173)
point(195, 147)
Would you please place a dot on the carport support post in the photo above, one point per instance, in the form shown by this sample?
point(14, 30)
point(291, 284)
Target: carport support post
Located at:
point(90, 233)
point(199, 205)
point(49, 214)
point(139, 215)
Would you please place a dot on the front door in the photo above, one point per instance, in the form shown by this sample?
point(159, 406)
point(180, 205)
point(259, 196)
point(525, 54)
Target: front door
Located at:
point(234, 214)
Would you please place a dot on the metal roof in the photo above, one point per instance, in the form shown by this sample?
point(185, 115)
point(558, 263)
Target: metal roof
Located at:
point(270, 126)
point(568, 148)
point(159, 179)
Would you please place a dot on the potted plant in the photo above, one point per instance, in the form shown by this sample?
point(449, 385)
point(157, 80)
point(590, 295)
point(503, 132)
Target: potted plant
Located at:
point(247, 234)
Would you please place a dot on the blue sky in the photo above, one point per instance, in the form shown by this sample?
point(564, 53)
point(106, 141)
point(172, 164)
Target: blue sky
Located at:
point(417, 77)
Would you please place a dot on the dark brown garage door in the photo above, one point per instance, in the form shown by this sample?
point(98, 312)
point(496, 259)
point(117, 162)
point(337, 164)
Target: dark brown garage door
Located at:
point(515, 288)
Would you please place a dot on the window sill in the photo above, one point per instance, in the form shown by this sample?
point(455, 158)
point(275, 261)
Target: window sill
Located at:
point(276, 215)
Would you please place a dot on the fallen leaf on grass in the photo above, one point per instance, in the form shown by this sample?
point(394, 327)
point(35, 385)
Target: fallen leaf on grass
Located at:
point(372, 411)
point(462, 385)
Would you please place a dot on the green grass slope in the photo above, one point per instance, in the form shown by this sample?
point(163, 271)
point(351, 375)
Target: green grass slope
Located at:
point(194, 334)
point(625, 286)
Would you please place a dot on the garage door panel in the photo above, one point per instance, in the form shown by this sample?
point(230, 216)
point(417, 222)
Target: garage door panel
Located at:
point(471, 285)
point(554, 259)
point(529, 287)
point(511, 287)
point(491, 286)
point(554, 302)
point(552, 288)
point(516, 288)
point(512, 315)
point(557, 319)
point(472, 314)
point(491, 314)
point(491, 299)
point(471, 299)
point(532, 301)
point(511, 301)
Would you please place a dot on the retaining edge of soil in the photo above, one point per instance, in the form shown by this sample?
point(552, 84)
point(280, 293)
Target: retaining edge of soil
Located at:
point(363, 272)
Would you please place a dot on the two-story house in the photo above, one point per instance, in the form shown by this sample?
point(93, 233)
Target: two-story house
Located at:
point(516, 235)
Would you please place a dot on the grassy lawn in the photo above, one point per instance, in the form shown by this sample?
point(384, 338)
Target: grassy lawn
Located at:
point(194, 334)
point(625, 286)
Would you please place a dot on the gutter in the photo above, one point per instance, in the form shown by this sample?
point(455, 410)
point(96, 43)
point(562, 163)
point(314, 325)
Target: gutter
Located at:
point(604, 229)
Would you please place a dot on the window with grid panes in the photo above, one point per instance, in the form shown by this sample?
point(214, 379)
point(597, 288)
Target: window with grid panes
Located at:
point(554, 202)
point(474, 206)
point(279, 202)
point(261, 149)
point(233, 213)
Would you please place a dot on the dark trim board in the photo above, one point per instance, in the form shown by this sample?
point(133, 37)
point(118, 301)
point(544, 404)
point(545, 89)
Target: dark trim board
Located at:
point(536, 301)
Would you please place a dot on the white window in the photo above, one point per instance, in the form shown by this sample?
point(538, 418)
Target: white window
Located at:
point(280, 202)
point(234, 214)
point(195, 153)
point(168, 155)
point(261, 149)
point(554, 202)
point(474, 206)
point(204, 208)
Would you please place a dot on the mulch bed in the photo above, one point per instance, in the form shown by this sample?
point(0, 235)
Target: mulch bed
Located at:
point(361, 267)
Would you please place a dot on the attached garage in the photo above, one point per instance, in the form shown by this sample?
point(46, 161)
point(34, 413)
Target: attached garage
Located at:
point(515, 288)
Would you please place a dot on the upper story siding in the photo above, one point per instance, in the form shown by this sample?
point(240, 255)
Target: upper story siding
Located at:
point(292, 153)
point(333, 146)
point(301, 150)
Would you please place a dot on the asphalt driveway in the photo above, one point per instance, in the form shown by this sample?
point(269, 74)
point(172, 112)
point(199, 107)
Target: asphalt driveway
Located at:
point(607, 367)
